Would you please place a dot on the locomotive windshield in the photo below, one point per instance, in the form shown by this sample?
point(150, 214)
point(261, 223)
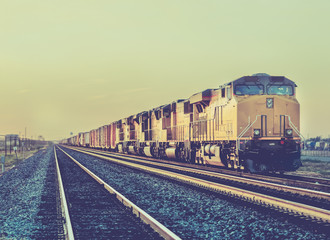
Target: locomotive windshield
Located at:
point(280, 90)
point(249, 89)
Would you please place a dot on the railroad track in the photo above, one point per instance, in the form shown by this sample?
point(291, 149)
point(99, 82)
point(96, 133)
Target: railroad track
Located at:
point(50, 208)
point(94, 210)
point(318, 184)
point(315, 198)
point(303, 209)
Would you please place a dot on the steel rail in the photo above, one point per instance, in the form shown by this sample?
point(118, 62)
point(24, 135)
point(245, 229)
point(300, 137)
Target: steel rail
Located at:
point(321, 184)
point(279, 187)
point(145, 217)
point(64, 206)
point(261, 199)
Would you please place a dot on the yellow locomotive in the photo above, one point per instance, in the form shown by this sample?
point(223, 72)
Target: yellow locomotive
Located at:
point(250, 123)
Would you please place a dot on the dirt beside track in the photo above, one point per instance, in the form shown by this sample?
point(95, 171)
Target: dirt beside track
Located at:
point(314, 167)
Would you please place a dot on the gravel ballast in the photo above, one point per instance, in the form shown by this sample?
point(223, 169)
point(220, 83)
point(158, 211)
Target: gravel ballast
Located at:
point(190, 213)
point(20, 196)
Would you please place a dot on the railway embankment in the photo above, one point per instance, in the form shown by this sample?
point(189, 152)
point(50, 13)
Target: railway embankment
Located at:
point(14, 159)
point(20, 196)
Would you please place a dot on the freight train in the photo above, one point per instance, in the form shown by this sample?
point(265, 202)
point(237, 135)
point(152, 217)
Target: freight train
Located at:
point(251, 124)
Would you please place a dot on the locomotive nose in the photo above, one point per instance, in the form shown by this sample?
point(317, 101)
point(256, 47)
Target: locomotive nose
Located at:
point(273, 116)
point(264, 125)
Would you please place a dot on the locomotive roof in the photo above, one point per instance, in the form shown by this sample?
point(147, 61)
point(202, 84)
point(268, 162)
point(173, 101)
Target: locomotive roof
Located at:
point(261, 78)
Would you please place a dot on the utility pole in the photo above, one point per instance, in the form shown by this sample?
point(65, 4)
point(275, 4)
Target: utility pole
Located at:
point(15, 150)
point(10, 144)
point(3, 163)
point(3, 157)
point(5, 146)
point(24, 143)
point(23, 148)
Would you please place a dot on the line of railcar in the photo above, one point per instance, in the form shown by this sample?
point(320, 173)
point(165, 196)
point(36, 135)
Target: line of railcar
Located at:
point(250, 123)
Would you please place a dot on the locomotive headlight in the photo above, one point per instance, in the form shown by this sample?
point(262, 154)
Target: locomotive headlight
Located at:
point(288, 132)
point(256, 132)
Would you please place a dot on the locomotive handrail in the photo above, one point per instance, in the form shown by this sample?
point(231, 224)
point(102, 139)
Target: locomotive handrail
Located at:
point(245, 129)
point(243, 132)
point(294, 127)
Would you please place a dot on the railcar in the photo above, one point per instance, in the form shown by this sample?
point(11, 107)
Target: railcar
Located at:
point(83, 139)
point(250, 123)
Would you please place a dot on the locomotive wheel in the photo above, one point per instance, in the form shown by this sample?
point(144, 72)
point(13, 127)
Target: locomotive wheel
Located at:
point(250, 165)
point(263, 168)
point(224, 156)
point(232, 164)
point(296, 164)
point(188, 156)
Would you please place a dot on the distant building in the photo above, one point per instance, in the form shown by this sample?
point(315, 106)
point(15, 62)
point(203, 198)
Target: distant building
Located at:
point(12, 140)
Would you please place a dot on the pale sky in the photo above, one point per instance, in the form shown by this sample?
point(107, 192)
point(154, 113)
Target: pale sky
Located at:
point(72, 66)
